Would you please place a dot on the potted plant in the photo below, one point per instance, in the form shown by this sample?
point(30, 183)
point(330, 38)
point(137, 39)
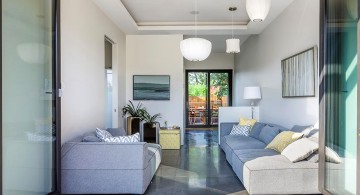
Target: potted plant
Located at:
point(150, 125)
point(134, 117)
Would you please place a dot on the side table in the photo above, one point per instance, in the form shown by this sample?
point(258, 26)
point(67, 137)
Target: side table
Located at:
point(169, 138)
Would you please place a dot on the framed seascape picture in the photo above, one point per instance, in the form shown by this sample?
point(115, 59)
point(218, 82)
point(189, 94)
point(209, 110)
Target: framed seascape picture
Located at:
point(298, 74)
point(151, 87)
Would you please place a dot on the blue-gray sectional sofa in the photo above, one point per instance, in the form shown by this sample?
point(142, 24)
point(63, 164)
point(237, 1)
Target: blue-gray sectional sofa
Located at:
point(93, 167)
point(265, 171)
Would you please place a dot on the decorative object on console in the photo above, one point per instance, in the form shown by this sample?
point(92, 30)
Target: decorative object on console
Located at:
point(283, 139)
point(258, 9)
point(298, 74)
point(252, 93)
point(151, 87)
point(240, 130)
point(232, 45)
point(195, 49)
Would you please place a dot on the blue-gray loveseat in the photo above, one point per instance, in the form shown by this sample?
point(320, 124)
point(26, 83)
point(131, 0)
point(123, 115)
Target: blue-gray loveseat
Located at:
point(264, 171)
point(108, 168)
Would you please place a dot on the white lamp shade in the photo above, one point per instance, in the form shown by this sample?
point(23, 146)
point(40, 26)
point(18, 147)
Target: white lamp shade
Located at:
point(258, 9)
point(252, 93)
point(195, 49)
point(232, 45)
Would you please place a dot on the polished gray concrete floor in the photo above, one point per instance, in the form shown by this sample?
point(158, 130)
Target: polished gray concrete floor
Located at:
point(199, 167)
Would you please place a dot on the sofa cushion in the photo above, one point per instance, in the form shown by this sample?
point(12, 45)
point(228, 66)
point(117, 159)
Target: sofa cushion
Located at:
point(277, 175)
point(240, 157)
point(154, 154)
point(300, 129)
point(268, 133)
point(283, 139)
point(91, 138)
point(240, 130)
point(300, 150)
point(237, 142)
point(256, 130)
point(116, 131)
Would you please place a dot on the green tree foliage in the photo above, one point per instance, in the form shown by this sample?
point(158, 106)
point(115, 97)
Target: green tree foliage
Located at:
point(198, 84)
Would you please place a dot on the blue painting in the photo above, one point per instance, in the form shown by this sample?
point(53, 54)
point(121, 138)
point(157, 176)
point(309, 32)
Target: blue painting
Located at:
point(151, 87)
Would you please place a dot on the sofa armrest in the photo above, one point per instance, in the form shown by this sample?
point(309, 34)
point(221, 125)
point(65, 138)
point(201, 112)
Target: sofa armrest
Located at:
point(225, 128)
point(100, 155)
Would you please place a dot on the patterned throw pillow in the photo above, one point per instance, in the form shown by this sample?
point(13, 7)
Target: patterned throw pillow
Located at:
point(240, 130)
point(283, 139)
point(125, 139)
point(247, 122)
point(103, 134)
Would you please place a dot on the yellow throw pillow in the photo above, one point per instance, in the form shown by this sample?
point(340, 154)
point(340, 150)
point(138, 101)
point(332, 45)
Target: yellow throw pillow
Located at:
point(283, 139)
point(247, 122)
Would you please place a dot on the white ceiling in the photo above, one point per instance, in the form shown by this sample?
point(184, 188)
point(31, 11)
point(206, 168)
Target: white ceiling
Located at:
point(173, 17)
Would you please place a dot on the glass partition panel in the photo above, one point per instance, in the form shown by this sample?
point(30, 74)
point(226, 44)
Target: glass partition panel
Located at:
point(28, 107)
point(341, 95)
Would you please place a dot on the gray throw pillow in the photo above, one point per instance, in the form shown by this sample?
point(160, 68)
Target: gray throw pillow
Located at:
point(256, 130)
point(91, 138)
point(300, 129)
point(268, 133)
point(116, 131)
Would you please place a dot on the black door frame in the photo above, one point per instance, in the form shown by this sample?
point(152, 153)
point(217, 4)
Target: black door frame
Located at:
point(56, 70)
point(208, 72)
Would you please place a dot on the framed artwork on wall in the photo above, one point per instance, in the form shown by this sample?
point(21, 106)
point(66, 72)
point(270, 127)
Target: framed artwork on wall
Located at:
point(151, 87)
point(298, 74)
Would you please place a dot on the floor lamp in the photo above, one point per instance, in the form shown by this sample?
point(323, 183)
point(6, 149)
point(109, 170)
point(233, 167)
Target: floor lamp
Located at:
point(252, 93)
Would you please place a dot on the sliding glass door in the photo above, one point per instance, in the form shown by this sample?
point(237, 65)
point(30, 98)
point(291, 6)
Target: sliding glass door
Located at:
point(206, 91)
point(339, 97)
point(29, 99)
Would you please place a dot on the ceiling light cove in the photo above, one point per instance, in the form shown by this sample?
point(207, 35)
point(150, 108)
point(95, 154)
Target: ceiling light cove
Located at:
point(174, 17)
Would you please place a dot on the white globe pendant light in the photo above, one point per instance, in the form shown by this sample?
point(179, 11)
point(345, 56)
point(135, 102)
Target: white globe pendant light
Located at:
point(195, 49)
point(232, 45)
point(258, 9)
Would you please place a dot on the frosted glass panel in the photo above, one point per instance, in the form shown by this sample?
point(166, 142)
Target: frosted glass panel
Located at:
point(27, 106)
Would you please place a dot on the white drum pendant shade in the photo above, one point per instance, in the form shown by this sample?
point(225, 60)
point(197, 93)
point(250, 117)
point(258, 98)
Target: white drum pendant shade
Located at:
point(195, 49)
point(232, 45)
point(258, 9)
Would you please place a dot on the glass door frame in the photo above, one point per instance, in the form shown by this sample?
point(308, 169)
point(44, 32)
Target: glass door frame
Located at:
point(56, 66)
point(208, 72)
point(323, 96)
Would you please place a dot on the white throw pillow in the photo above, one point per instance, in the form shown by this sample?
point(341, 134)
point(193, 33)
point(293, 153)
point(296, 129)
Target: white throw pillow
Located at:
point(103, 134)
point(240, 130)
point(300, 149)
point(125, 139)
point(332, 156)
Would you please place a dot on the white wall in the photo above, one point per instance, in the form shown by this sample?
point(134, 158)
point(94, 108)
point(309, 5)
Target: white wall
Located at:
point(158, 55)
point(83, 27)
point(214, 61)
point(259, 63)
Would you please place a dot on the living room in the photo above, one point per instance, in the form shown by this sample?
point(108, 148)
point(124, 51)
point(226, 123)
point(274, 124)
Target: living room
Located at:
point(144, 41)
